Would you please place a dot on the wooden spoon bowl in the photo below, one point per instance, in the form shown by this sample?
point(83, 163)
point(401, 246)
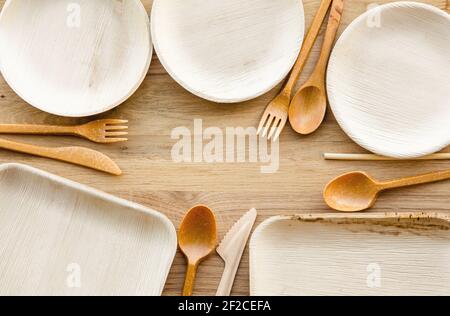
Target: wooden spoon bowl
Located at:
point(197, 238)
point(308, 109)
point(352, 192)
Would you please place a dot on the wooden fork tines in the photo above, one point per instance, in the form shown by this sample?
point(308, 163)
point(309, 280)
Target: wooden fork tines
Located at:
point(100, 131)
point(275, 117)
point(105, 131)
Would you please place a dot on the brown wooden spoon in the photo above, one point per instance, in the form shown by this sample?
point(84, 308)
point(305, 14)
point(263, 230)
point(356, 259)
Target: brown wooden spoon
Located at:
point(197, 238)
point(357, 191)
point(308, 107)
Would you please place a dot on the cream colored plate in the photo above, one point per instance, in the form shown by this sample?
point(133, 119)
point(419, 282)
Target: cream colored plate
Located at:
point(58, 237)
point(228, 51)
point(74, 58)
point(359, 254)
point(388, 80)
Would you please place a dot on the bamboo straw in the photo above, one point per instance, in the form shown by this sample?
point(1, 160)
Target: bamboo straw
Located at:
point(371, 157)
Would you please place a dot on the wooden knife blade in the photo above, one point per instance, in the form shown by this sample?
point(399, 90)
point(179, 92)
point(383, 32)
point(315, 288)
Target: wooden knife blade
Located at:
point(231, 249)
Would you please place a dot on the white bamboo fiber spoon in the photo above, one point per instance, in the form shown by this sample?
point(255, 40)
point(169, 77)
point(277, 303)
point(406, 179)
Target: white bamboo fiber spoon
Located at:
point(74, 58)
point(388, 80)
point(228, 51)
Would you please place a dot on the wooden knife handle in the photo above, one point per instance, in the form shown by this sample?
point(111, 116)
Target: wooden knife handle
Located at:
point(227, 281)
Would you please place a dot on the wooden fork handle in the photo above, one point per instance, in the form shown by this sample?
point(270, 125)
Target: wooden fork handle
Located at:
point(421, 179)
point(75, 155)
point(37, 129)
point(308, 44)
point(190, 280)
point(334, 22)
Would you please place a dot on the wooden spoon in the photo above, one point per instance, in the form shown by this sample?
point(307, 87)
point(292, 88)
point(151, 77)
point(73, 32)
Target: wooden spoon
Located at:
point(197, 239)
point(309, 105)
point(277, 110)
point(357, 191)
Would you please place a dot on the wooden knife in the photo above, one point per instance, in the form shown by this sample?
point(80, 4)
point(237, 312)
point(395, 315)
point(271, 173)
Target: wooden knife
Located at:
point(76, 155)
point(231, 249)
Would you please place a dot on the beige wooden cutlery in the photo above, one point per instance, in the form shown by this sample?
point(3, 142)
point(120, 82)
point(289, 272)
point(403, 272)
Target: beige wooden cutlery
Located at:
point(357, 191)
point(372, 157)
point(309, 105)
point(276, 114)
point(100, 131)
point(75, 155)
point(231, 249)
point(197, 238)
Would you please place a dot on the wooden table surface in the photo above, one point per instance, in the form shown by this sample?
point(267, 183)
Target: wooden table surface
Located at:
point(152, 178)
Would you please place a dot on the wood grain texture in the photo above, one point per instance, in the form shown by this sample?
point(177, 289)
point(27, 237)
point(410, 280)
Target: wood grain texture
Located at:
point(61, 238)
point(332, 254)
point(151, 177)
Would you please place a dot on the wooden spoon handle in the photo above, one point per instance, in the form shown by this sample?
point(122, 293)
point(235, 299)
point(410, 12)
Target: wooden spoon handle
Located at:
point(334, 22)
point(190, 280)
point(36, 129)
point(308, 44)
point(421, 179)
point(75, 155)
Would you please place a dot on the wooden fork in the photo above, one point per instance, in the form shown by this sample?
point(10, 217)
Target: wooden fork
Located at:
point(100, 131)
point(276, 114)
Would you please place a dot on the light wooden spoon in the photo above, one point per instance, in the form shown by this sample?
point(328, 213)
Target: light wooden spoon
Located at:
point(357, 191)
point(197, 239)
point(309, 105)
